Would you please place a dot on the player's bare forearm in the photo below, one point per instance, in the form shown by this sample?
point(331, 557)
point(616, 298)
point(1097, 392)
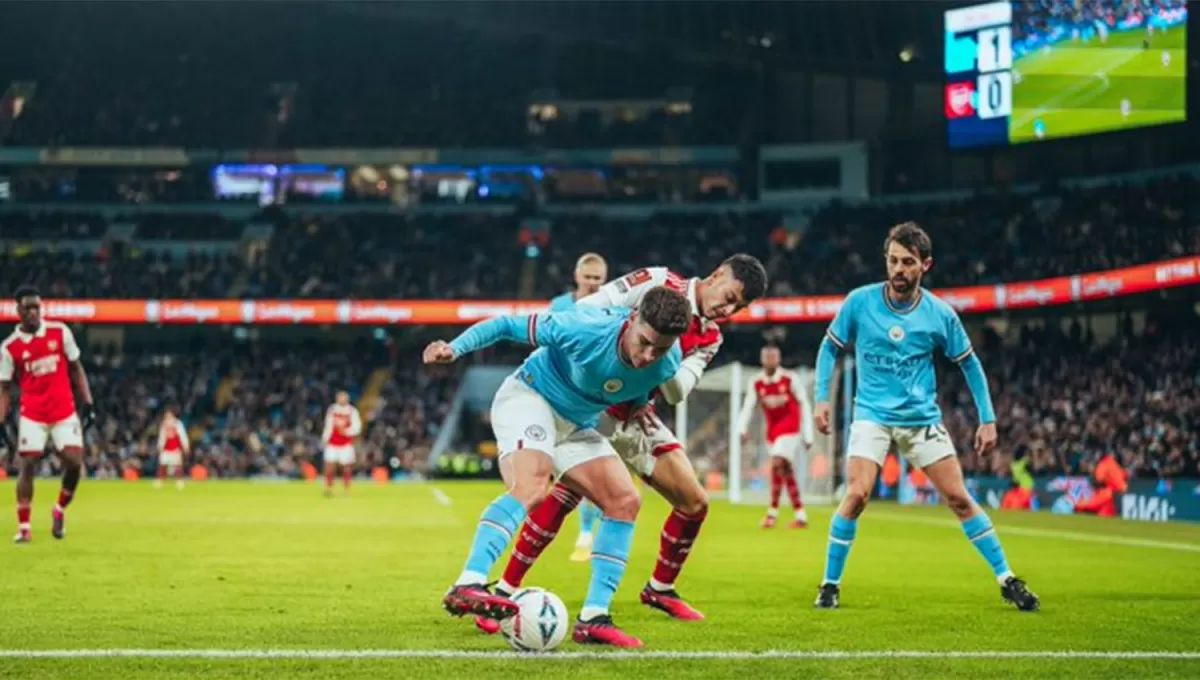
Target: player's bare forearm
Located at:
point(79, 380)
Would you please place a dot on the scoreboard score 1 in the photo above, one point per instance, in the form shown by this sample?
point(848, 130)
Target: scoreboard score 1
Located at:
point(979, 83)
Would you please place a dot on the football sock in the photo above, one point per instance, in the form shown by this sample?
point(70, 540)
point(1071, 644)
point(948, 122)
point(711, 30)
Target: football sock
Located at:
point(792, 490)
point(841, 537)
point(537, 532)
point(588, 514)
point(609, 557)
point(496, 528)
point(678, 535)
point(776, 486)
point(982, 535)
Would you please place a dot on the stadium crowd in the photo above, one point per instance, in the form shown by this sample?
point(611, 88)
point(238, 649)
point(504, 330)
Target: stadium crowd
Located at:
point(978, 240)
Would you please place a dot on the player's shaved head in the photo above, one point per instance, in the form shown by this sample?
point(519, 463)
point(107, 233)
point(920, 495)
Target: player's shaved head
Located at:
point(29, 307)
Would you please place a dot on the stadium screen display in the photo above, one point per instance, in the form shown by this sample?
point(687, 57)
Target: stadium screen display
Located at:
point(1043, 69)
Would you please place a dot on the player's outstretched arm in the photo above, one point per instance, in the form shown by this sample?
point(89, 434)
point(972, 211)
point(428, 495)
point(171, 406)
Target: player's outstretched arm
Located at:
point(525, 329)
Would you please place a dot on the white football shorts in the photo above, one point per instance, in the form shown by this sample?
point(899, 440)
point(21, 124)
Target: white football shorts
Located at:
point(922, 446)
point(64, 434)
point(523, 419)
point(339, 455)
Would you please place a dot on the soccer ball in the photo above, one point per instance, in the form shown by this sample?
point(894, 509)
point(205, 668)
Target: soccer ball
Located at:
point(540, 624)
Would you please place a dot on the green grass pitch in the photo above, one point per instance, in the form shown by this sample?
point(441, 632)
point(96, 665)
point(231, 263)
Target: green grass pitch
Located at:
point(1077, 88)
point(246, 567)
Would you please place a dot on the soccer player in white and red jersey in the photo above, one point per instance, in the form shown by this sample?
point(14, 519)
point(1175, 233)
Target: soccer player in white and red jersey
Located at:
point(591, 271)
point(650, 449)
point(342, 425)
point(43, 358)
point(173, 448)
point(787, 412)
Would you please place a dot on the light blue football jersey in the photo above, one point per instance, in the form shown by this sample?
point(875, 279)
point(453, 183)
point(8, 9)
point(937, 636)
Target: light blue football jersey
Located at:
point(896, 384)
point(563, 303)
point(577, 368)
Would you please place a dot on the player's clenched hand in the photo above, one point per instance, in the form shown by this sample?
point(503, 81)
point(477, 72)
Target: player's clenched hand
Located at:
point(823, 416)
point(985, 438)
point(643, 416)
point(438, 352)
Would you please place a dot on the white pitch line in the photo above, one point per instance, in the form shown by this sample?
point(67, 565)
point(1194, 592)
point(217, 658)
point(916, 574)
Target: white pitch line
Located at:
point(1051, 533)
point(339, 654)
point(440, 496)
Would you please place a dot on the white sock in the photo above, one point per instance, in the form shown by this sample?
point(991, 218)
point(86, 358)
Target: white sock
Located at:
point(589, 613)
point(661, 587)
point(772, 512)
point(506, 587)
point(24, 526)
point(801, 515)
point(1004, 577)
point(471, 578)
point(585, 539)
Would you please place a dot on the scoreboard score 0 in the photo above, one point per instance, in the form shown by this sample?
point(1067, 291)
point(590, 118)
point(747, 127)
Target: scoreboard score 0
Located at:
point(979, 87)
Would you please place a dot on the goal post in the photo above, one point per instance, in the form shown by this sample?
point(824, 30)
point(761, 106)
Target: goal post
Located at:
point(707, 424)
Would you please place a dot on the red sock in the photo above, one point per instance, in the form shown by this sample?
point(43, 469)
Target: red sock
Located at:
point(328, 479)
point(776, 483)
point(678, 534)
point(540, 528)
point(347, 475)
point(180, 473)
point(65, 497)
point(162, 471)
point(24, 510)
point(792, 489)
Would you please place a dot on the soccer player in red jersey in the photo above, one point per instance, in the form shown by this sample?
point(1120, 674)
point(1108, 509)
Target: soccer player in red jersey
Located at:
point(787, 412)
point(650, 449)
point(342, 425)
point(173, 447)
point(43, 358)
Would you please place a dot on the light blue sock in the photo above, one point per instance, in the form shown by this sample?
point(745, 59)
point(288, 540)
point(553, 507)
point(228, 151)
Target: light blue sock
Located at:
point(982, 535)
point(841, 537)
point(497, 527)
point(610, 553)
point(588, 515)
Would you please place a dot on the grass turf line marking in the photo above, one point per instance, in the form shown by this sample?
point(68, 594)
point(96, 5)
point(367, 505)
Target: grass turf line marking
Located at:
point(347, 654)
point(1050, 533)
point(440, 496)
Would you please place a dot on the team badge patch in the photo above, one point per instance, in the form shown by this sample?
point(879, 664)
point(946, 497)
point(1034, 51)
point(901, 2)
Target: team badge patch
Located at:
point(536, 432)
point(896, 333)
point(53, 345)
point(613, 386)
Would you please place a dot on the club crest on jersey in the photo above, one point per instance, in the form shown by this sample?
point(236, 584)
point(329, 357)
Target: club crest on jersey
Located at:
point(536, 432)
point(613, 386)
point(896, 333)
point(53, 345)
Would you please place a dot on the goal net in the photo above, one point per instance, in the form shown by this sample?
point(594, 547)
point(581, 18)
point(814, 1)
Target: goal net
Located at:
point(707, 424)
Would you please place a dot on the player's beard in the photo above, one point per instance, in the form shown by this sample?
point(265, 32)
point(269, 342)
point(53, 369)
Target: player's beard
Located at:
point(902, 285)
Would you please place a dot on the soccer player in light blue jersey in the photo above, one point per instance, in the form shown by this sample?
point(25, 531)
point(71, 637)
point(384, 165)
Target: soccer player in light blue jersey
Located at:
point(895, 327)
point(544, 417)
point(591, 271)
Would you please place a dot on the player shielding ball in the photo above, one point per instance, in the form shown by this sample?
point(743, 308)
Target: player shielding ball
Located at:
point(173, 450)
point(545, 416)
point(43, 358)
point(787, 413)
point(342, 425)
point(591, 271)
point(895, 328)
point(656, 456)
